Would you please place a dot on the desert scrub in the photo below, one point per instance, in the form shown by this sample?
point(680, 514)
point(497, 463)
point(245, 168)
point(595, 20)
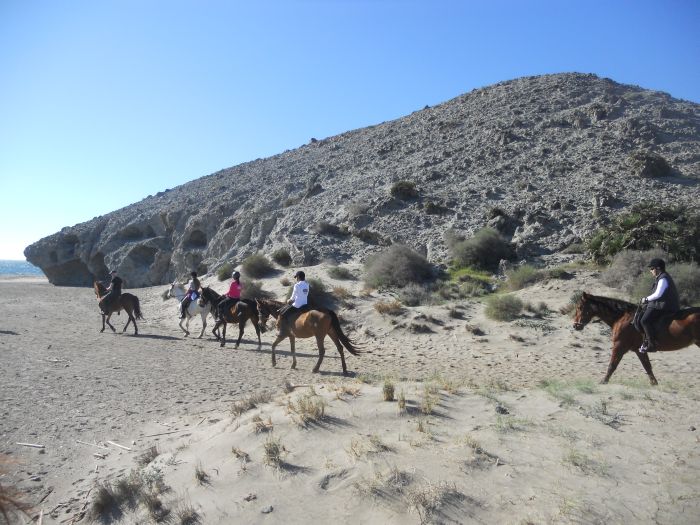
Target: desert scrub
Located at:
point(273, 452)
point(340, 273)
point(398, 265)
point(414, 294)
point(482, 251)
point(503, 307)
point(224, 271)
point(257, 266)
point(249, 403)
point(282, 257)
point(389, 307)
point(523, 276)
point(404, 190)
point(388, 390)
point(307, 409)
point(327, 228)
point(254, 290)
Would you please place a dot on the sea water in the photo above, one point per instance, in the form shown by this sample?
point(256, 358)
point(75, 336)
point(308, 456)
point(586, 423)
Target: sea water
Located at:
point(19, 268)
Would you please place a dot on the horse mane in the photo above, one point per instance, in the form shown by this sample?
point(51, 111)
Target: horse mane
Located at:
point(616, 305)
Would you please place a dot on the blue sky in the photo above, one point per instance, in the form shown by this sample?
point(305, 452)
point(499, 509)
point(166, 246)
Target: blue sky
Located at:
point(105, 102)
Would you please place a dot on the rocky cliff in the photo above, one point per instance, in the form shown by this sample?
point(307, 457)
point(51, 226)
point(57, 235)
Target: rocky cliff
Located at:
point(545, 160)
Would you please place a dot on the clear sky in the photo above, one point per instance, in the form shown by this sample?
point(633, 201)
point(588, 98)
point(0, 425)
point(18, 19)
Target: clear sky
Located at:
point(105, 102)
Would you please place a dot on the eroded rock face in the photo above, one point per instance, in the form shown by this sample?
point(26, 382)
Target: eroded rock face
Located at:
point(545, 160)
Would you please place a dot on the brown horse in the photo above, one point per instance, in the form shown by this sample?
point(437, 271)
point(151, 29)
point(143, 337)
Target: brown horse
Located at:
point(683, 331)
point(311, 323)
point(243, 311)
point(127, 302)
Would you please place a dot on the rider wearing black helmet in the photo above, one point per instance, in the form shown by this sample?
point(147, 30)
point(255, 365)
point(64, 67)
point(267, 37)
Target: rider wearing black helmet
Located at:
point(114, 290)
point(232, 296)
point(299, 299)
point(191, 295)
point(663, 300)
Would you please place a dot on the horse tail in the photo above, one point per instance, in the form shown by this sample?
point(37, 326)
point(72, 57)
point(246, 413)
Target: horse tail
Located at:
point(137, 308)
point(349, 345)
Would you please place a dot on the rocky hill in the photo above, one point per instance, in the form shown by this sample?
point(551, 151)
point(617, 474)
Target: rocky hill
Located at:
point(546, 160)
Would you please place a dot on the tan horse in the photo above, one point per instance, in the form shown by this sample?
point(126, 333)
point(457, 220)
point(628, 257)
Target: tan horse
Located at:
point(312, 323)
point(683, 330)
point(127, 302)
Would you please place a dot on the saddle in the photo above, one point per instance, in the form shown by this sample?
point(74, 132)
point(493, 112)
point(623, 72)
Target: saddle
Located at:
point(662, 323)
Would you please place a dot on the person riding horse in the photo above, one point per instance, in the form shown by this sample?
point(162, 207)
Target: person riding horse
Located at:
point(114, 290)
point(297, 303)
point(664, 300)
point(232, 296)
point(192, 293)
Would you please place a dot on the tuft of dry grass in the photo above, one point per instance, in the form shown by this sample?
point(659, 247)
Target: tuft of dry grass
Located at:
point(155, 507)
point(427, 499)
point(240, 454)
point(342, 293)
point(259, 425)
point(249, 403)
point(401, 403)
point(307, 409)
point(186, 515)
point(388, 390)
point(343, 390)
point(105, 506)
point(274, 452)
point(584, 463)
point(201, 475)
point(147, 456)
point(394, 307)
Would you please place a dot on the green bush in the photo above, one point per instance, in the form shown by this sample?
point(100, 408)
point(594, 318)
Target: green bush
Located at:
point(224, 271)
point(484, 250)
point(282, 257)
point(503, 307)
point(341, 273)
point(257, 266)
point(398, 265)
point(326, 228)
point(254, 290)
point(673, 229)
point(523, 276)
point(404, 190)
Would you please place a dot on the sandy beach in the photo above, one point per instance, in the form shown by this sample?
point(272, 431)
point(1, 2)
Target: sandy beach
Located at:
point(490, 423)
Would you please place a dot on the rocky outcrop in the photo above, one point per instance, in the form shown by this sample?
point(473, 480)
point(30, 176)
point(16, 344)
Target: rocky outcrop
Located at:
point(545, 160)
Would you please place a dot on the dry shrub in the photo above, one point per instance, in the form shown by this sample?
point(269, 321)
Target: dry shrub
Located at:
point(105, 504)
point(327, 228)
point(250, 402)
point(389, 307)
point(201, 475)
point(342, 293)
point(428, 499)
point(404, 190)
point(257, 266)
point(224, 271)
point(523, 276)
point(414, 294)
point(260, 425)
point(187, 515)
point(503, 307)
point(147, 456)
point(388, 390)
point(282, 257)
point(307, 409)
point(274, 452)
point(484, 250)
point(340, 273)
point(254, 290)
point(398, 265)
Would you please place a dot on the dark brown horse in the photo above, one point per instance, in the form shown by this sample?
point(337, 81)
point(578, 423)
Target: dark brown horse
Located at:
point(683, 331)
point(243, 311)
point(311, 323)
point(127, 302)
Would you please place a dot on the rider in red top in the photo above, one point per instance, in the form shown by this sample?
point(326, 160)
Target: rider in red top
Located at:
point(232, 296)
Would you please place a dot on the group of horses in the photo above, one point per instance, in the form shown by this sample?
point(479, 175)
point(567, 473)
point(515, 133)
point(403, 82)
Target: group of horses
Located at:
point(318, 323)
point(679, 330)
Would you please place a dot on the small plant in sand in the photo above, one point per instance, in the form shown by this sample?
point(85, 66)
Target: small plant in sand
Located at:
point(152, 478)
point(274, 452)
point(284, 281)
point(570, 307)
point(155, 507)
point(361, 446)
point(147, 456)
point(240, 454)
point(584, 463)
point(282, 257)
point(557, 390)
point(340, 272)
point(389, 307)
point(524, 276)
point(201, 475)
point(248, 403)
point(342, 293)
point(105, 504)
point(128, 489)
point(401, 405)
point(307, 409)
point(388, 390)
point(428, 499)
point(508, 424)
point(430, 399)
point(346, 390)
point(185, 514)
point(391, 484)
point(259, 425)
point(503, 307)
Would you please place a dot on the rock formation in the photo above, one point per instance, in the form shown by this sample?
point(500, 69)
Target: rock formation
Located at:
point(546, 160)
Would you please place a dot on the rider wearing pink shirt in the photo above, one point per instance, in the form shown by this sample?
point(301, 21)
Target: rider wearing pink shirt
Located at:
point(232, 296)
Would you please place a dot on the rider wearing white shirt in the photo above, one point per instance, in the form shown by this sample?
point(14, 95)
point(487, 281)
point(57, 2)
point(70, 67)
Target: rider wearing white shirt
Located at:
point(299, 298)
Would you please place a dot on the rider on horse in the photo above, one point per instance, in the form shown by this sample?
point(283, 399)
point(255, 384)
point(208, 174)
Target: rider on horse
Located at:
point(662, 301)
point(298, 301)
point(191, 295)
point(114, 290)
point(232, 296)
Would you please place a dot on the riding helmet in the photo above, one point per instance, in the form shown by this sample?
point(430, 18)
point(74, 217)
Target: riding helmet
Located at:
point(236, 275)
point(112, 272)
point(193, 273)
point(657, 263)
point(300, 274)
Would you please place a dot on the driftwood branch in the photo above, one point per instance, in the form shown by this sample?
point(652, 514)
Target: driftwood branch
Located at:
point(118, 445)
point(33, 445)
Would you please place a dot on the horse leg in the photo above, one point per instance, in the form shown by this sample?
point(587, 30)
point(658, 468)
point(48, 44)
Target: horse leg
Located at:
point(615, 357)
point(646, 363)
point(103, 323)
point(256, 325)
point(334, 338)
point(108, 323)
point(241, 326)
point(274, 344)
point(321, 352)
point(223, 335)
point(131, 317)
point(204, 324)
point(294, 354)
point(183, 328)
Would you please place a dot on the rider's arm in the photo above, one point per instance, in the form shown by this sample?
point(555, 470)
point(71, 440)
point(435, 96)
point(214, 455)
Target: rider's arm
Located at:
point(660, 289)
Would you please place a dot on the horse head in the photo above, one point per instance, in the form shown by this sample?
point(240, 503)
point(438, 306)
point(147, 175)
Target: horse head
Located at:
point(584, 312)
